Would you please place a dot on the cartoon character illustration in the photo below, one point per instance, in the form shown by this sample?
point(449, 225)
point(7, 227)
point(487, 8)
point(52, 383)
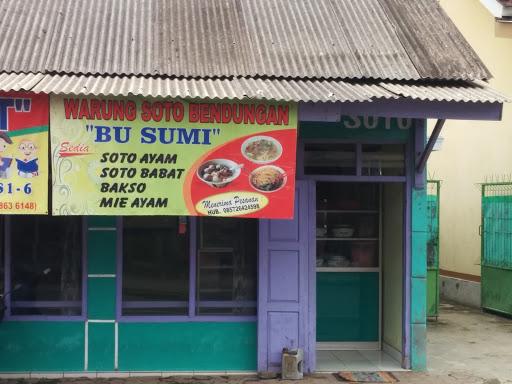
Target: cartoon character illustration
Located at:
point(5, 162)
point(27, 165)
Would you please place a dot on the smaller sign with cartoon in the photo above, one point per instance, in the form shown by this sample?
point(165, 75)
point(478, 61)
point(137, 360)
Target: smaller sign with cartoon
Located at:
point(23, 153)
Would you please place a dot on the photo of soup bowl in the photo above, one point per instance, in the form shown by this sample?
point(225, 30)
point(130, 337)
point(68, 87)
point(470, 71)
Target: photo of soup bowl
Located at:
point(268, 178)
point(218, 173)
point(261, 149)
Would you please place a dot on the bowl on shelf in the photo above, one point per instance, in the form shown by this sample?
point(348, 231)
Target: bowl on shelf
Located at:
point(343, 231)
point(321, 232)
point(338, 261)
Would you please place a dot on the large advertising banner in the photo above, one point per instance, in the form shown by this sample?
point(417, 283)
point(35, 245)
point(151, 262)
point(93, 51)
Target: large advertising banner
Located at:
point(136, 156)
point(23, 153)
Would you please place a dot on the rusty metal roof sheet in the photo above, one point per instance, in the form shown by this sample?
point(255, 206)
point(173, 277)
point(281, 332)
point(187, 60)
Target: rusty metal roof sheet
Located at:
point(436, 47)
point(315, 39)
point(248, 88)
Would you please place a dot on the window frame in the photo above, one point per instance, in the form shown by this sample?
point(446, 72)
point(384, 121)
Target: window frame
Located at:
point(192, 284)
point(8, 316)
point(358, 176)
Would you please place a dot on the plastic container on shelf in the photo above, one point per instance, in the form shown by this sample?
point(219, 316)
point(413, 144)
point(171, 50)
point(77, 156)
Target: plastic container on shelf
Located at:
point(364, 254)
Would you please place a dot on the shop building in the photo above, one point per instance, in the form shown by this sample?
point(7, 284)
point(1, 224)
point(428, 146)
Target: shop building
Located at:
point(197, 293)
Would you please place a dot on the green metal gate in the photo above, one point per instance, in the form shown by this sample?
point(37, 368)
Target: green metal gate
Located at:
point(433, 190)
point(496, 253)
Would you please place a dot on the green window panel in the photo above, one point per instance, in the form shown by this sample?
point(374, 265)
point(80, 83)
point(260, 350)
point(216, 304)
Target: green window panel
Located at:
point(101, 252)
point(101, 298)
point(101, 221)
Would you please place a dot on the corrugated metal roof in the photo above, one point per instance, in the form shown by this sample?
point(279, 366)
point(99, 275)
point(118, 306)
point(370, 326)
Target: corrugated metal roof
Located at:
point(316, 39)
point(239, 88)
point(243, 88)
point(464, 92)
point(373, 40)
point(21, 82)
point(434, 44)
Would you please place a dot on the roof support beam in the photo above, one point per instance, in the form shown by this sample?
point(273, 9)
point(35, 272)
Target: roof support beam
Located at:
point(420, 167)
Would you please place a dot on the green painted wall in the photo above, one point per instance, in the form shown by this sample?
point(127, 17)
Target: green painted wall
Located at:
point(60, 346)
point(433, 249)
point(419, 238)
point(432, 292)
point(392, 261)
point(41, 346)
point(188, 346)
point(101, 339)
point(347, 306)
point(419, 280)
point(356, 128)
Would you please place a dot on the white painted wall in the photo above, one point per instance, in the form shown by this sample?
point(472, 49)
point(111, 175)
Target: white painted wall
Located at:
point(473, 152)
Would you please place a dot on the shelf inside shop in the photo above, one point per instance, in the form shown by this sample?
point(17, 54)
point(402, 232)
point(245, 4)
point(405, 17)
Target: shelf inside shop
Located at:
point(347, 238)
point(347, 269)
point(369, 211)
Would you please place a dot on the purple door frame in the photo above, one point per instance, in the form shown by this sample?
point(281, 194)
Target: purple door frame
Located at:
point(285, 286)
point(305, 209)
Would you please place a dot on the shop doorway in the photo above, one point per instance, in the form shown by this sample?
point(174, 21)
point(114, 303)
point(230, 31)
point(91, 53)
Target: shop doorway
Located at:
point(358, 249)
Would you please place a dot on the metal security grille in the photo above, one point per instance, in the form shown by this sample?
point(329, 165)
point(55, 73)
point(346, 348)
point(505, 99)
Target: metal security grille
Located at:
point(433, 189)
point(496, 231)
point(497, 225)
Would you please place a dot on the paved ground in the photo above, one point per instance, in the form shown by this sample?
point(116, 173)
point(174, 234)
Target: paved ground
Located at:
point(469, 346)
point(465, 346)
